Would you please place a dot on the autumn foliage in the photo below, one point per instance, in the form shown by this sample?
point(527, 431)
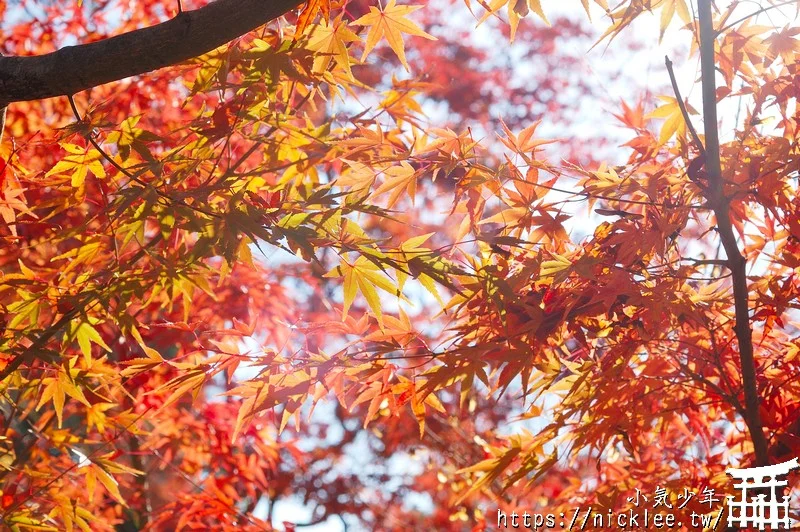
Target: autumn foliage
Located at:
point(335, 265)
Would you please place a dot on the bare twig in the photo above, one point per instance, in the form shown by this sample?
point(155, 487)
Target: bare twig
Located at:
point(682, 105)
point(706, 262)
point(753, 14)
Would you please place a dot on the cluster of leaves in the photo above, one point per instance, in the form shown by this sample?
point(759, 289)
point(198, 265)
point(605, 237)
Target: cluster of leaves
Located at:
point(220, 281)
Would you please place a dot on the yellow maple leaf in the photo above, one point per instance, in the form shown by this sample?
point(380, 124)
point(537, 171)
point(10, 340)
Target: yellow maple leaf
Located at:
point(517, 10)
point(57, 388)
point(674, 122)
point(330, 40)
point(78, 164)
point(391, 22)
point(363, 276)
point(670, 7)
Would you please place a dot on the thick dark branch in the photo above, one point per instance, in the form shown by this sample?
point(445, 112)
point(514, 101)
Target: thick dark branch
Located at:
point(736, 262)
point(191, 33)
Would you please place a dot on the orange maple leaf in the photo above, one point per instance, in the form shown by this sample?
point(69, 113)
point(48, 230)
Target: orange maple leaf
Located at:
point(391, 22)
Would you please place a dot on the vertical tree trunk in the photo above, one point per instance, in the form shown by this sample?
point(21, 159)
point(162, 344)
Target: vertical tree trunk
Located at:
point(736, 261)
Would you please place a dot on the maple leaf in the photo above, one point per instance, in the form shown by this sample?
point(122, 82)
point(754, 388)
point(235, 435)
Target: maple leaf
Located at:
point(674, 123)
point(78, 164)
point(58, 387)
point(670, 7)
point(412, 252)
point(632, 117)
point(517, 9)
point(784, 44)
point(330, 40)
point(95, 472)
point(12, 200)
point(84, 332)
point(312, 8)
point(390, 22)
point(364, 276)
point(398, 179)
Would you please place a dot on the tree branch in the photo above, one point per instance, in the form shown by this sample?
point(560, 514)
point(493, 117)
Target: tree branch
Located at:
point(753, 14)
point(705, 262)
point(682, 106)
point(736, 261)
point(190, 34)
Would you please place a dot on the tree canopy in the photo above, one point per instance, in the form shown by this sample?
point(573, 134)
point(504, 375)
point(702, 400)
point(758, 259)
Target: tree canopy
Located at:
point(258, 253)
